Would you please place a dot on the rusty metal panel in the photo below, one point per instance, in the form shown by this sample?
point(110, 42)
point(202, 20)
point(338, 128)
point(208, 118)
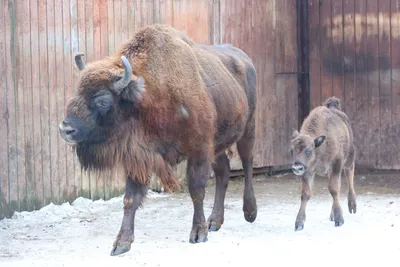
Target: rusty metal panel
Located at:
point(354, 48)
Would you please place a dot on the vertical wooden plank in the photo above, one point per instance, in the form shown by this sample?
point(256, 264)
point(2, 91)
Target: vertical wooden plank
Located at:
point(337, 51)
point(361, 121)
point(103, 29)
point(44, 102)
point(74, 188)
point(166, 11)
point(111, 27)
point(28, 108)
point(52, 94)
point(5, 211)
point(68, 93)
point(37, 148)
point(117, 23)
point(374, 132)
point(131, 18)
point(124, 21)
point(63, 149)
point(11, 98)
point(326, 49)
point(315, 53)
point(395, 82)
point(385, 91)
point(156, 11)
point(349, 98)
point(99, 193)
point(20, 107)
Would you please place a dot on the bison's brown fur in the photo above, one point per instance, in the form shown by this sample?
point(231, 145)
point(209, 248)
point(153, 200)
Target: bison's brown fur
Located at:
point(325, 147)
point(196, 101)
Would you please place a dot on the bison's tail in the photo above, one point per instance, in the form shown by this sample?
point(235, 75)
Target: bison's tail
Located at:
point(333, 102)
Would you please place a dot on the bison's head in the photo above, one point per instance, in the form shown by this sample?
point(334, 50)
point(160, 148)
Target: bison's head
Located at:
point(106, 97)
point(303, 150)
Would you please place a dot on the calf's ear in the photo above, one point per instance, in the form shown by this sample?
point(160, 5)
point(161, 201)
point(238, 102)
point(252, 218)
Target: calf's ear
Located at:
point(134, 91)
point(295, 133)
point(319, 140)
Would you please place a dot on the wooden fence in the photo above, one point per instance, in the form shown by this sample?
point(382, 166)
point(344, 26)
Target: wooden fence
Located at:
point(355, 55)
point(37, 77)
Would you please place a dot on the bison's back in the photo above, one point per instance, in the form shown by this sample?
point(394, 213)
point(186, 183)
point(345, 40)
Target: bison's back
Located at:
point(230, 79)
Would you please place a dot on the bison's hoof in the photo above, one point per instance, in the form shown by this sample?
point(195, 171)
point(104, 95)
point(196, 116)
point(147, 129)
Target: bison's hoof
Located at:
point(352, 206)
point(214, 224)
point(120, 249)
point(299, 225)
point(250, 216)
point(250, 209)
point(199, 233)
point(339, 222)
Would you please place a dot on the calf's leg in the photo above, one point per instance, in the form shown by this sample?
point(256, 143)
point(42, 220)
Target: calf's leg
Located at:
point(134, 194)
point(306, 192)
point(197, 175)
point(221, 169)
point(334, 189)
point(245, 149)
point(351, 197)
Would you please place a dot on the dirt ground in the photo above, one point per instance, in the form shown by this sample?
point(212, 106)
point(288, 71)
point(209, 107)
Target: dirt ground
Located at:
point(81, 234)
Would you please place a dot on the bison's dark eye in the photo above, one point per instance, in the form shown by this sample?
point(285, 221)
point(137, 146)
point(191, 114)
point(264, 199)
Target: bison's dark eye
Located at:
point(104, 104)
point(308, 152)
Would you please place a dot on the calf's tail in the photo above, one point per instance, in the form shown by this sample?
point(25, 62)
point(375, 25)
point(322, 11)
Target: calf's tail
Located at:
point(333, 102)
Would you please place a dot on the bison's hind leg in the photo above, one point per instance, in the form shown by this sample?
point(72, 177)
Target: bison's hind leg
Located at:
point(221, 169)
point(351, 196)
point(245, 148)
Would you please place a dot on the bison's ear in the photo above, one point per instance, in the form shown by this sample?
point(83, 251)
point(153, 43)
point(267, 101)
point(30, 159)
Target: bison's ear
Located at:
point(295, 133)
point(134, 91)
point(319, 140)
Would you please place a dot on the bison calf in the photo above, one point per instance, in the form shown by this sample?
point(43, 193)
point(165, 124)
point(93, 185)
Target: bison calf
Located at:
point(325, 147)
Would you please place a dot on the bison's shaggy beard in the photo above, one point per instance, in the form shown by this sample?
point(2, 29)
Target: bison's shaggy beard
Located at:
point(138, 161)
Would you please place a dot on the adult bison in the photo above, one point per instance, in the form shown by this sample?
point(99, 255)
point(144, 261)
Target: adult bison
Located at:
point(325, 146)
point(161, 99)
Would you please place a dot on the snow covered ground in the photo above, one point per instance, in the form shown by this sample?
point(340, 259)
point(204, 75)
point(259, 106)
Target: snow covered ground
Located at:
point(81, 234)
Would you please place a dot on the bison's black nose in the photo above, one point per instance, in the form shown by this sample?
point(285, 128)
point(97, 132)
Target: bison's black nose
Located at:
point(298, 169)
point(67, 131)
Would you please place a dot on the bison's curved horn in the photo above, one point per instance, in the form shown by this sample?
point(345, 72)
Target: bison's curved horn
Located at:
point(127, 78)
point(79, 62)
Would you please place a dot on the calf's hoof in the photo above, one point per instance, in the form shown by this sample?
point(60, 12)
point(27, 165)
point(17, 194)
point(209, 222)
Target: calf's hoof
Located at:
point(299, 225)
point(199, 233)
point(352, 206)
point(339, 223)
point(214, 223)
point(120, 249)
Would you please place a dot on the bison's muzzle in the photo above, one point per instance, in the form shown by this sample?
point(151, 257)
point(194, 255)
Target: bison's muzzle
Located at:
point(298, 169)
point(68, 133)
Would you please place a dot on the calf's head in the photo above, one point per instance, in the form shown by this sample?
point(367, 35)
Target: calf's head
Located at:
point(304, 151)
point(105, 99)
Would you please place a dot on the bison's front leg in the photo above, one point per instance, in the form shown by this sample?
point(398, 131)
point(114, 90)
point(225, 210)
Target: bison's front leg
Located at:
point(134, 194)
point(306, 191)
point(197, 175)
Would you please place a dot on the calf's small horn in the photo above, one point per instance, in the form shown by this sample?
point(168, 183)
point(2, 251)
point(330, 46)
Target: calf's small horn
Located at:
point(79, 62)
point(127, 78)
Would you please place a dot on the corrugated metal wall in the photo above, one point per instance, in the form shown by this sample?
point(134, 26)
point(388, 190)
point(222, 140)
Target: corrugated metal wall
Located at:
point(37, 77)
point(355, 55)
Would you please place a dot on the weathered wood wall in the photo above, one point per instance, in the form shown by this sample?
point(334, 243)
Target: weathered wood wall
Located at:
point(37, 77)
point(355, 55)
